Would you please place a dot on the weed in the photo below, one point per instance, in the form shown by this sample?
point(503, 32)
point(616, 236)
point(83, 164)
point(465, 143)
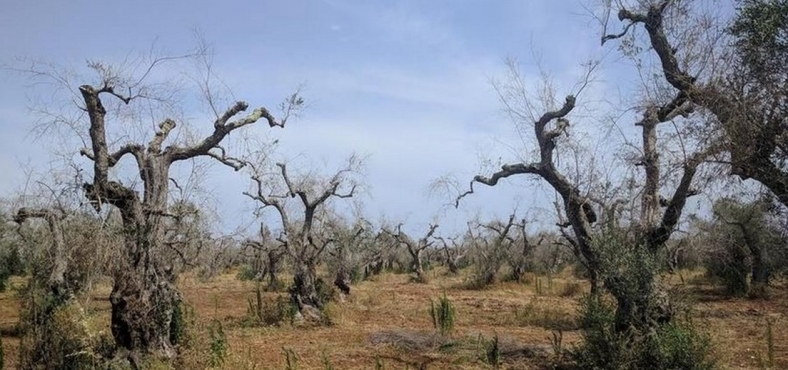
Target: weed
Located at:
point(218, 343)
point(262, 312)
point(248, 273)
point(379, 363)
point(532, 314)
point(557, 343)
point(326, 362)
point(493, 352)
point(443, 315)
point(291, 358)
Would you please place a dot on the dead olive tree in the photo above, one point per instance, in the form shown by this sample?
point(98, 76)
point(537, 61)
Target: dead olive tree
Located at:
point(660, 215)
point(268, 257)
point(347, 255)
point(143, 297)
point(56, 281)
point(493, 241)
point(746, 94)
point(303, 237)
point(453, 254)
point(414, 248)
point(521, 252)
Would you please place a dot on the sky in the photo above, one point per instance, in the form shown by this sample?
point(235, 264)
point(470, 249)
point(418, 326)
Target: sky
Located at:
point(406, 84)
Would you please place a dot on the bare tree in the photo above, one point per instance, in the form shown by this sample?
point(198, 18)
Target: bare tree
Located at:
point(57, 277)
point(453, 254)
point(304, 244)
point(746, 96)
point(414, 248)
point(521, 251)
point(269, 255)
point(143, 296)
point(659, 216)
point(348, 250)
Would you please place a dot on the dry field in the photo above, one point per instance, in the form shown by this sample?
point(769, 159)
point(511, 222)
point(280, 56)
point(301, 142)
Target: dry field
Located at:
point(386, 322)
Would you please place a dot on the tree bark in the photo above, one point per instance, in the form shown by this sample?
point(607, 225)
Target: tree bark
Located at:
point(144, 296)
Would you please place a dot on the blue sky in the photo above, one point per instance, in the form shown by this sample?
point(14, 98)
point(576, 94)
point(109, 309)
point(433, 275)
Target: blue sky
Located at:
point(405, 82)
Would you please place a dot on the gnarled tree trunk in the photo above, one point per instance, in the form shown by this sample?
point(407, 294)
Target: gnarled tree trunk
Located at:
point(143, 296)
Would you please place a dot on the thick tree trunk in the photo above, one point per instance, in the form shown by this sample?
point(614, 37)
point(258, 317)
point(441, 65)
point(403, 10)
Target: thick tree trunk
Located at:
point(143, 304)
point(452, 263)
point(272, 269)
point(760, 274)
point(304, 289)
point(144, 296)
point(416, 265)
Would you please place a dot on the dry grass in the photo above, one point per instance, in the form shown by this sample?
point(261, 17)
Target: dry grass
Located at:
point(388, 319)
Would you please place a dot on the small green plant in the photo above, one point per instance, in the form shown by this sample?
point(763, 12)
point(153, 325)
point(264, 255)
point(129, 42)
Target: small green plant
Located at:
point(379, 363)
point(291, 358)
point(218, 343)
point(443, 315)
point(261, 312)
point(326, 361)
point(248, 273)
point(769, 362)
point(183, 319)
point(493, 352)
point(557, 343)
point(675, 345)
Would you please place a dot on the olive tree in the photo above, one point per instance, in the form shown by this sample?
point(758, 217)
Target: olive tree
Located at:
point(415, 248)
point(144, 297)
point(665, 170)
point(302, 233)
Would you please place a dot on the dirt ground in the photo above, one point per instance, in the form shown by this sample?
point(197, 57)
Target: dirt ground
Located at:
point(386, 322)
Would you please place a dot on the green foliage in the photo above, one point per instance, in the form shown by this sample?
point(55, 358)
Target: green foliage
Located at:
point(325, 292)
point(493, 352)
point(443, 315)
point(676, 345)
point(183, 322)
point(744, 241)
point(357, 274)
point(265, 312)
point(761, 32)
point(56, 335)
point(247, 273)
point(218, 343)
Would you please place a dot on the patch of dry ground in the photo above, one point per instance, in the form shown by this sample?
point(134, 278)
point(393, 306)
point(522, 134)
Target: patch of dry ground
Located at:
point(386, 321)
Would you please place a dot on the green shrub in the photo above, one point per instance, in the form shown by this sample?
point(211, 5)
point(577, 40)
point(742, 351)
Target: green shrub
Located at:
point(492, 352)
point(443, 315)
point(183, 321)
point(676, 345)
point(730, 268)
point(218, 343)
point(247, 273)
point(266, 312)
